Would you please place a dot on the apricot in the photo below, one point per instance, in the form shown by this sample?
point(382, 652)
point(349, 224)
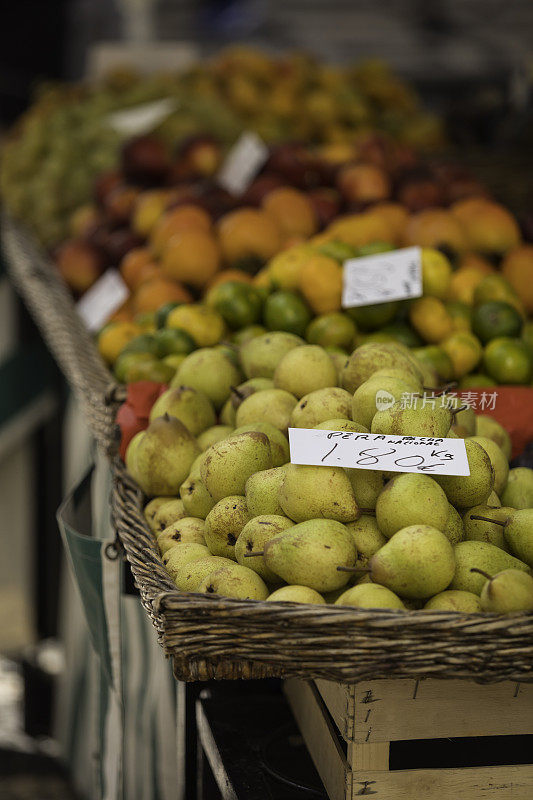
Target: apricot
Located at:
point(132, 264)
point(248, 233)
point(363, 183)
point(488, 226)
point(156, 292)
point(518, 269)
point(149, 208)
point(178, 219)
point(292, 211)
point(435, 227)
point(191, 256)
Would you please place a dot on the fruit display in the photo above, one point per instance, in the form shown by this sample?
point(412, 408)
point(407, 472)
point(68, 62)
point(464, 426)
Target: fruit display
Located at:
point(54, 153)
point(233, 517)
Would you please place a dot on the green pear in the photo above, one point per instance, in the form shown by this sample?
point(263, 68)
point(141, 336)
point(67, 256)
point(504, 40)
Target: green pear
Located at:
point(411, 499)
point(367, 537)
point(518, 532)
point(491, 429)
point(296, 594)
point(339, 425)
point(224, 524)
point(260, 356)
point(244, 390)
point(253, 538)
point(151, 509)
point(519, 490)
point(339, 358)
point(482, 530)
point(168, 513)
point(375, 394)
point(196, 500)
point(499, 463)
point(310, 492)
point(372, 356)
point(305, 369)
point(130, 458)
point(188, 405)
point(454, 600)
point(321, 405)
point(417, 563)
point(190, 575)
point(262, 490)
point(196, 467)
point(279, 445)
point(214, 434)
point(416, 385)
point(308, 554)
point(188, 529)
point(271, 405)
point(465, 491)
point(164, 456)
point(508, 592)
point(413, 420)
point(235, 581)
point(228, 415)
point(229, 464)
point(454, 529)
point(209, 371)
point(464, 422)
point(367, 485)
point(183, 553)
point(493, 501)
point(370, 595)
point(484, 556)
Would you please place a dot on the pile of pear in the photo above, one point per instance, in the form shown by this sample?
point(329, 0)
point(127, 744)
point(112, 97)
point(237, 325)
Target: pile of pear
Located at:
point(233, 517)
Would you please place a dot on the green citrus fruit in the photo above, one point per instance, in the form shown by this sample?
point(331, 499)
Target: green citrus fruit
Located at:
point(403, 333)
point(238, 303)
point(370, 318)
point(334, 329)
point(495, 319)
point(162, 313)
point(435, 357)
point(508, 361)
point(244, 335)
point(126, 362)
point(373, 248)
point(286, 311)
point(173, 340)
point(476, 380)
point(145, 343)
point(340, 251)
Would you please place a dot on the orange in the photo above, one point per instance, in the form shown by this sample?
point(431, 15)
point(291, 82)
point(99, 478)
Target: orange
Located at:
point(114, 338)
point(157, 292)
point(226, 275)
point(132, 264)
point(178, 219)
point(435, 227)
point(248, 233)
point(363, 183)
point(320, 283)
point(518, 269)
point(430, 319)
point(395, 215)
point(191, 256)
point(291, 210)
point(488, 226)
point(477, 261)
point(464, 282)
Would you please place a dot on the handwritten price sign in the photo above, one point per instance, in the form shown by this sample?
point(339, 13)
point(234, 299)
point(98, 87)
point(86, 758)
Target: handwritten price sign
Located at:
point(242, 163)
point(381, 278)
point(375, 451)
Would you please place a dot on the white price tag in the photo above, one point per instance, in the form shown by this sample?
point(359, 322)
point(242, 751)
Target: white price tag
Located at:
point(383, 277)
point(102, 300)
point(242, 163)
point(375, 451)
point(143, 118)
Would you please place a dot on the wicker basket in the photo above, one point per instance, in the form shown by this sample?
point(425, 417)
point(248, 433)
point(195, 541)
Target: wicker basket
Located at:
point(52, 307)
point(210, 637)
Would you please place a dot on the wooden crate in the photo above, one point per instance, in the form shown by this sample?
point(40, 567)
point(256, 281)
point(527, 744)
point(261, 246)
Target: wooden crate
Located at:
point(350, 730)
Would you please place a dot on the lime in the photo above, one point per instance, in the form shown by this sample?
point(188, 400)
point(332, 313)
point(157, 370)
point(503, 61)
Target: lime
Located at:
point(476, 380)
point(174, 360)
point(373, 249)
point(156, 371)
point(340, 251)
point(162, 313)
point(461, 315)
point(508, 360)
point(286, 311)
point(146, 321)
point(495, 319)
point(403, 333)
point(495, 287)
point(128, 361)
point(173, 340)
point(244, 335)
point(334, 329)
point(370, 318)
point(145, 343)
point(435, 357)
point(238, 303)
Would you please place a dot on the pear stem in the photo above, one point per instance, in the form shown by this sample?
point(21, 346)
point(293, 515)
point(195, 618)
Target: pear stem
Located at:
point(488, 519)
point(481, 572)
point(254, 553)
point(234, 390)
point(354, 569)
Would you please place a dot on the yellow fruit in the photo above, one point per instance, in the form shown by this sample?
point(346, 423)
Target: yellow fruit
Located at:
point(518, 269)
point(436, 273)
point(465, 352)
point(204, 324)
point(463, 284)
point(321, 283)
point(430, 319)
point(284, 269)
point(360, 229)
point(292, 211)
point(191, 256)
point(114, 338)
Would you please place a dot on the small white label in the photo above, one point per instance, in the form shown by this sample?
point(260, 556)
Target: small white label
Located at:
point(383, 277)
point(423, 454)
point(242, 163)
point(143, 118)
point(102, 300)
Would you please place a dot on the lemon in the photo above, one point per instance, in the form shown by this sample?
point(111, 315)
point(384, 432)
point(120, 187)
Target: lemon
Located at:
point(203, 324)
point(114, 338)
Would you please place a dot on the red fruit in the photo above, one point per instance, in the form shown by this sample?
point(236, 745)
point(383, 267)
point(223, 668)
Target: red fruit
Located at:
point(145, 160)
point(326, 203)
point(259, 188)
point(80, 264)
point(120, 202)
point(104, 185)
